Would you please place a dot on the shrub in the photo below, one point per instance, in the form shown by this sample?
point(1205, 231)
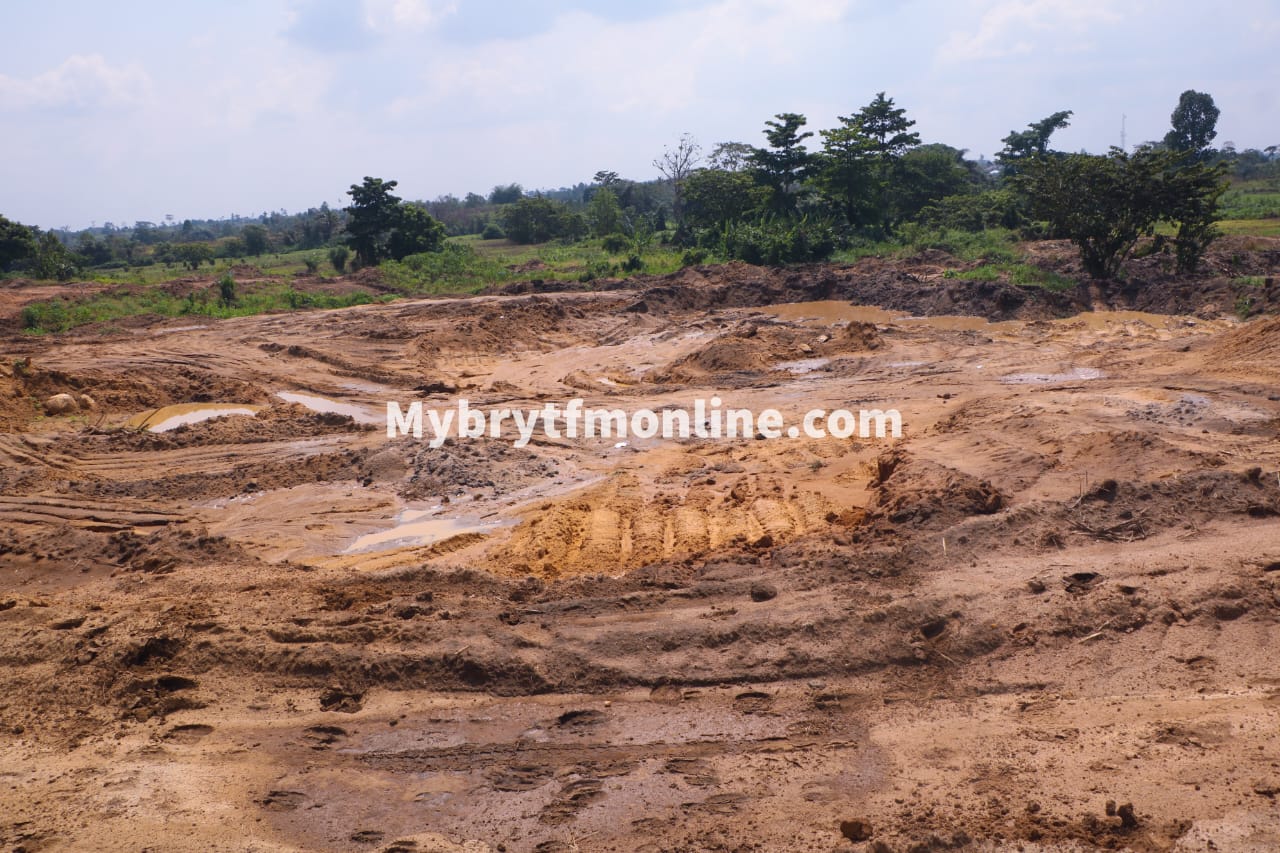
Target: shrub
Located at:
point(492, 231)
point(312, 265)
point(778, 241)
point(338, 256)
point(227, 290)
point(614, 243)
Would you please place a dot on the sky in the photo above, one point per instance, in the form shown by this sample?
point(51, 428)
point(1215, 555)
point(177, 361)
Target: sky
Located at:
point(205, 108)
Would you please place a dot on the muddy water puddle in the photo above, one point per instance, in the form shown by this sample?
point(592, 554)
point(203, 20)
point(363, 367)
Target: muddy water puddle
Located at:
point(421, 527)
point(324, 405)
point(169, 418)
point(1075, 374)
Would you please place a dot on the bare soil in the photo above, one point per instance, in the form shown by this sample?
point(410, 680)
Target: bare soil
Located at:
point(1045, 619)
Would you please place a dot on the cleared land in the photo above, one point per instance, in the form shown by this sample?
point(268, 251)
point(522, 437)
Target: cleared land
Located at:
point(286, 632)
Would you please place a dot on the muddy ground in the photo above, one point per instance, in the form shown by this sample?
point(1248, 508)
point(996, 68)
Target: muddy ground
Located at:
point(1046, 618)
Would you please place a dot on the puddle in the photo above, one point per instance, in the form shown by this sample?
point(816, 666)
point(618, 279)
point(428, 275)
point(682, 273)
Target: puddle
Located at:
point(417, 528)
point(1076, 374)
point(1110, 319)
point(185, 414)
point(326, 406)
point(960, 323)
point(803, 365)
point(829, 311)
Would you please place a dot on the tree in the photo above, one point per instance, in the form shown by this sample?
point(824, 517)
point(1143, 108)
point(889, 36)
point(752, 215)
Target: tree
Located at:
point(338, 257)
point(604, 214)
point(1105, 204)
point(1194, 121)
point(675, 164)
point(536, 219)
point(605, 178)
point(714, 197)
point(1020, 145)
point(51, 259)
point(92, 250)
point(786, 162)
point(509, 194)
point(17, 243)
point(1192, 193)
point(257, 240)
point(861, 161)
point(372, 215)
point(927, 174)
point(415, 231)
point(730, 156)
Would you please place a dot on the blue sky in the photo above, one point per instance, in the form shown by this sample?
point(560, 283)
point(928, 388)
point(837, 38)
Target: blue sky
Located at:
point(135, 110)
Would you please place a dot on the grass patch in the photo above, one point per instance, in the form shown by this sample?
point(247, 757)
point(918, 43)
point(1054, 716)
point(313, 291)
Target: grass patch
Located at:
point(60, 315)
point(995, 244)
point(1016, 273)
point(469, 264)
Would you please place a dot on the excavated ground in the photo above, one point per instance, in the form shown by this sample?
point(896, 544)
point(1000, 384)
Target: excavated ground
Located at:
point(1045, 619)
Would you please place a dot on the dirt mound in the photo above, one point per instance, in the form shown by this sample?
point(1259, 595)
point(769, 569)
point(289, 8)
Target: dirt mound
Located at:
point(617, 526)
point(753, 347)
point(1254, 346)
point(532, 323)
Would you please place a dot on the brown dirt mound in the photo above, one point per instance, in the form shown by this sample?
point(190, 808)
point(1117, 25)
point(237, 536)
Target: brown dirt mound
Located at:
point(615, 527)
point(534, 323)
point(1253, 346)
point(754, 347)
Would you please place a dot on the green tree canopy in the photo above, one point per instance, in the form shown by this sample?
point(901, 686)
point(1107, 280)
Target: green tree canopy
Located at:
point(786, 162)
point(17, 243)
point(1020, 145)
point(1194, 121)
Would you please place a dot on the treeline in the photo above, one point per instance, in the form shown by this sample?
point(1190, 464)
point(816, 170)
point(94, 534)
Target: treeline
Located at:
point(798, 197)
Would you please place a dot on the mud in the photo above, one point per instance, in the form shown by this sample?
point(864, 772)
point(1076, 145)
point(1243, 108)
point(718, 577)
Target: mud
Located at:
point(1042, 620)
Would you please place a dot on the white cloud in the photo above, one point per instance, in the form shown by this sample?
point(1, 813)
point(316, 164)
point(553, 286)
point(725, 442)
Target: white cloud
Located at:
point(392, 16)
point(1019, 27)
point(83, 82)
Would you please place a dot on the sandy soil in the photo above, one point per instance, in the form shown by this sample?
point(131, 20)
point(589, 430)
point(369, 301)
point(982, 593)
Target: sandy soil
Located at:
point(1046, 618)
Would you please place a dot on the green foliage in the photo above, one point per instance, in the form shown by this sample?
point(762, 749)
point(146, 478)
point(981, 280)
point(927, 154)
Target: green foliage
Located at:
point(51, 259)
point(492, 231)
point(1194, 123)
point(414, 231)
point(713, 197)
point(604, 214)
point(227, 291)
point(191, 255)
point(535, 219)
point(380, 226)
point(776, 241)
point(372, 216)
point(1000, 208)
point(257, 241)
point(509, 194)
point(338, 256)
point(1022, 145)
point(1104, 204)
point(786, 162)
point(312, 264)
point(59, 315)
point(614, 243)
point(17, 243)
point(863, 172)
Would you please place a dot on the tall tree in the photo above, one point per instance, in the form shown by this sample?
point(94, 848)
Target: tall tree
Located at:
point(17, 243)
point(786, 162)
point(1021, 145)
point(675, 164)
point(371, 217)
point(1194, 121)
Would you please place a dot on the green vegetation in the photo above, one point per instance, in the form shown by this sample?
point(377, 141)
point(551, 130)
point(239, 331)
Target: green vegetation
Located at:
point(870, 188)
point(59, 315)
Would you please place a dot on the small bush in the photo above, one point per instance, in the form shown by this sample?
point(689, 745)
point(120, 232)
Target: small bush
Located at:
point(492, 231)
point(227, 291)
point(312, 265)
point(693, 257)
point(614, 243)
point(338, 256)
